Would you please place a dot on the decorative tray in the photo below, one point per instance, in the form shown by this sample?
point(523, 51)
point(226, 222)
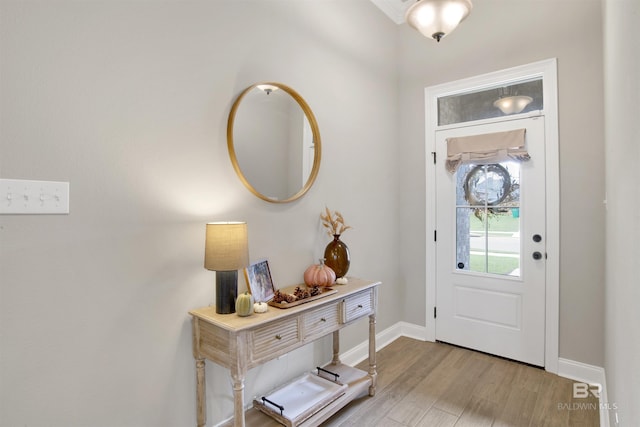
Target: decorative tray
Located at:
point(325, 292)
point(298, 400)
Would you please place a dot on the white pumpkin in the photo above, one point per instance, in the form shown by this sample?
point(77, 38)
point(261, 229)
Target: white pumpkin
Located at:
point(260, 307)
point(342, 281)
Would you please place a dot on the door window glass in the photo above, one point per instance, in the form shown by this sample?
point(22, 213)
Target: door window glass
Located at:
point(488, 218)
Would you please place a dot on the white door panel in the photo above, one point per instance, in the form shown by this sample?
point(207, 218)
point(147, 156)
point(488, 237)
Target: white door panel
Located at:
point(490, 292)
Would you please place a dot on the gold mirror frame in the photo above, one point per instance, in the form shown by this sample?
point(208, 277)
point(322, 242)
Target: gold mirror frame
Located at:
point(316, 142)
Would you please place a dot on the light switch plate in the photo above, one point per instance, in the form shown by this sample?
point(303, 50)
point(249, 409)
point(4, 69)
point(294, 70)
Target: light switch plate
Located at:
point(20, 196)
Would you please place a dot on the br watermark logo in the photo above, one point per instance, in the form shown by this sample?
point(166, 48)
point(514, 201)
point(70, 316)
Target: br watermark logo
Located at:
point(586, 391)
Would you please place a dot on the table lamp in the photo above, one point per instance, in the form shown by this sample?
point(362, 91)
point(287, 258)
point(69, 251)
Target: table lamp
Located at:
point(226, 251)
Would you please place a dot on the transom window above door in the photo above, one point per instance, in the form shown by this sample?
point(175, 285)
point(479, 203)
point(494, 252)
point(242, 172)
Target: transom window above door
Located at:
point(487, 103)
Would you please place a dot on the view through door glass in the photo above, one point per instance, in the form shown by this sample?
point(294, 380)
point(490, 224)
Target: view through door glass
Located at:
point(488, 218)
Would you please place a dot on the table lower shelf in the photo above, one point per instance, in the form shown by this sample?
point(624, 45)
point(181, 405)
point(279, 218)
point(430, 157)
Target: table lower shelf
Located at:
point(357, 381)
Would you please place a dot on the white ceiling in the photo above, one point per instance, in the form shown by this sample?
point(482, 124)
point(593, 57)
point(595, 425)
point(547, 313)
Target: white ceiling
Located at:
point(394, 9)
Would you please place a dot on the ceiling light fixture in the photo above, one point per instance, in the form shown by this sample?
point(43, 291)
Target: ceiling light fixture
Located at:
point(509, 102)
point(437, 18)
point(513, 104)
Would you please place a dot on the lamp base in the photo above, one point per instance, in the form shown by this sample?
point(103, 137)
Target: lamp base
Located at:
point(226, 291)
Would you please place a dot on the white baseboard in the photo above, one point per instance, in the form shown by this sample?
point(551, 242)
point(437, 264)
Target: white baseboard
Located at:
point(579, 371)
point(383, 339)
point(604, 402)
point(589, 374)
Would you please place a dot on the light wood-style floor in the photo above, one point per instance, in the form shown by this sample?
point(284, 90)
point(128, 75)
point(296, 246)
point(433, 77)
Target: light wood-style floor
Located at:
point(425, 384)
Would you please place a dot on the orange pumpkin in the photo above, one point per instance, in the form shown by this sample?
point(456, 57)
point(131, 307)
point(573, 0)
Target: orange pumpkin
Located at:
point(319, 275)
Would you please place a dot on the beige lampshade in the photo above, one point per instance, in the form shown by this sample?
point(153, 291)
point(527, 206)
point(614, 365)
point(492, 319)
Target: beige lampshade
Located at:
point(226, 246)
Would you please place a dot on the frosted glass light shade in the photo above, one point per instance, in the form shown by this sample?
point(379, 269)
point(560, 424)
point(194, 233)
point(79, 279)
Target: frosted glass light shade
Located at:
point(226, 246)
point(513, 104)
point(437, 18)
point(268, 88)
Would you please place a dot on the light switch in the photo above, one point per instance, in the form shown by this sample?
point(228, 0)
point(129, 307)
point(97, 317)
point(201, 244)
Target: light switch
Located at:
point(19, 196)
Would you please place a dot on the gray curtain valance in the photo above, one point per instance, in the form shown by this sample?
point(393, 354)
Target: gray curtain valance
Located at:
point(487, 148)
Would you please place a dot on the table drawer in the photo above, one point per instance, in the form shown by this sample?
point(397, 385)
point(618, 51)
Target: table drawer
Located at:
point(274, 337)
point(358, 305)
point(321, 321)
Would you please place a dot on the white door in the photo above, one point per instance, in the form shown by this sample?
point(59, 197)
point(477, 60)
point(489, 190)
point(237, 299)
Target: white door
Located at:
point(490, 291)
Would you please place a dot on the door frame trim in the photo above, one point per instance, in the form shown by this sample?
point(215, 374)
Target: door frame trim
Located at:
point(547, 70)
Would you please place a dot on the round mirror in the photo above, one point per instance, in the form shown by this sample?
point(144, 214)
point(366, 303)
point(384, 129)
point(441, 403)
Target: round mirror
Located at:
point(274, 142)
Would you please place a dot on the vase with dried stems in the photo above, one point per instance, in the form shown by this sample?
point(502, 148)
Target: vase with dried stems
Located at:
point(336, 254)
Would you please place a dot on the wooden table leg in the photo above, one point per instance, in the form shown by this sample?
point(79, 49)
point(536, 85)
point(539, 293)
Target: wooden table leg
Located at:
point(201, 400)
point(238, 398)
point(336, 348)
point(372, 355)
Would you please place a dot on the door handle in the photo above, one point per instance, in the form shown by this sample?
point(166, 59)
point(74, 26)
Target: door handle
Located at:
point(537, 255)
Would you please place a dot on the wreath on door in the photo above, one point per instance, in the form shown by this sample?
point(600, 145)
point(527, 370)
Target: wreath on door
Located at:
point(487, 188)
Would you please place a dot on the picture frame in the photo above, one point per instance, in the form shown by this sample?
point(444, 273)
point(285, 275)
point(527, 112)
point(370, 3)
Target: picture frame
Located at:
point(258, 277)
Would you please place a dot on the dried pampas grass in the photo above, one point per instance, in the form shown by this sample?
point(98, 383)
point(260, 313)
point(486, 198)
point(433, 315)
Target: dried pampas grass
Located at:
point(333, 222)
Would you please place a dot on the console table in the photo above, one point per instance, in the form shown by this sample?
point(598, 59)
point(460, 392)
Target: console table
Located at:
point(241, 343)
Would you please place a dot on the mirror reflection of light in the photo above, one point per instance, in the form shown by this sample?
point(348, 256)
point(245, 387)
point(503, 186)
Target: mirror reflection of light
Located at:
point(268, 88)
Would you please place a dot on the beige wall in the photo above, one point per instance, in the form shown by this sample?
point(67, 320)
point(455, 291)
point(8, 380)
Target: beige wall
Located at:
point(128, 101)
point(501, 34)
point(622, 339)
